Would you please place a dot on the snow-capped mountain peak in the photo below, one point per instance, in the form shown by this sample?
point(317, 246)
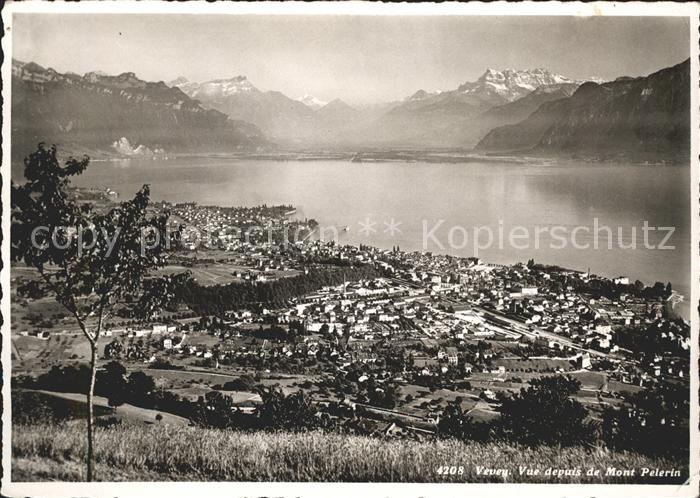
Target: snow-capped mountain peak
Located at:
point(312, 102)
point(181, 80)
point(216, 88)
point(512, 84)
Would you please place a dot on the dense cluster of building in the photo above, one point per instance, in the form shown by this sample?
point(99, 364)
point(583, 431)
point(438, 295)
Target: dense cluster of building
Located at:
point(436, 306)
point(236, 228)
point(428, 320)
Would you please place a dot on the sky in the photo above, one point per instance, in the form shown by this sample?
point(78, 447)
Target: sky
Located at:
point(360, 59)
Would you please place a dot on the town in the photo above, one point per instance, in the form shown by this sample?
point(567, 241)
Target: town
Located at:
point(396, 335)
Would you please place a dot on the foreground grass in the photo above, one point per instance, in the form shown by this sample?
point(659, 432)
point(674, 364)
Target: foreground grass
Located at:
point(133, 452)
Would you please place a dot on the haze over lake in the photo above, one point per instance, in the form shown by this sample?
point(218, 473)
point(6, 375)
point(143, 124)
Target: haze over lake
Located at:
point(339, 193)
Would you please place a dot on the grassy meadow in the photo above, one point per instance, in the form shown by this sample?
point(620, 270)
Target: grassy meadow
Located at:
point(166, 452)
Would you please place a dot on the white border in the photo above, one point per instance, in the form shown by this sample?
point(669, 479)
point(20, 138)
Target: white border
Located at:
point(690, 10)
point(668, 9)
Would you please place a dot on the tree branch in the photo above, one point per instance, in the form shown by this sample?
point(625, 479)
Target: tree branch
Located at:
point(73, 309)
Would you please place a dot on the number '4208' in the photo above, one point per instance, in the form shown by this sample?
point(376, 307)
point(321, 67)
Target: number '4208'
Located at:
point(450, 470)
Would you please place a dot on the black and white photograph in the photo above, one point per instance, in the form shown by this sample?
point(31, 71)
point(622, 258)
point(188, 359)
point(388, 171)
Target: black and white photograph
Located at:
point(314, 246)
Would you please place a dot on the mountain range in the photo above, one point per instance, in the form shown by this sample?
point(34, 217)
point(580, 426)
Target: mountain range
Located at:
point(462, 116)
point(308, 120)
point(95, 111)
point(282, 118)
point(645, 117)
point(423, 119)
point(312, 102)
point(508, 111)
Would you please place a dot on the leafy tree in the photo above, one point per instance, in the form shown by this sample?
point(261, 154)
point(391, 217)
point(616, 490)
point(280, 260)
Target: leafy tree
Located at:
point(114, 349)
point(31, 407)
point(455, 423)
point(67, 379)
point(111, 383)
point(653, 421)
point(544, 413)
point(242, 383)
point(387, 396)
point(169, 402)
point(294, 412)
point(139, 387)
point(32, 289)
point(90, 259)
point(296, 329)
point(214, 410)
point(217, 299)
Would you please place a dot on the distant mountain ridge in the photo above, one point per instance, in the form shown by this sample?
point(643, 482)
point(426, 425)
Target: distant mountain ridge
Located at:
point(629, 117)
point(307, 120)
point(312, 102)
point(215, 88)
point(425, 119)
point(517, 110)
point(522, 107)
point(96, 110)
point(512, 84)
point(510, 111)
point(454, 117)
point(278, 115)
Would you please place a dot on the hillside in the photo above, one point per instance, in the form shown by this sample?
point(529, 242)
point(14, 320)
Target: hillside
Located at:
point(517, 110)
point(164, 452)
point(458, 117)
point(95, 111)
point(101, 405)
point(275, 113)
point(461, 117)
point(646, 117)
point(526, 111)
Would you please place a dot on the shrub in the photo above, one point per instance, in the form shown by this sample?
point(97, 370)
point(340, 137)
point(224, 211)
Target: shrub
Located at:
point(30, 407)
point(242, 383)
point(107, 422)
point(69, 379)
point(294, 412)
point(545, 414)
point(163, 364)
point(654, 422)
point(455, 423)
point(214, 410)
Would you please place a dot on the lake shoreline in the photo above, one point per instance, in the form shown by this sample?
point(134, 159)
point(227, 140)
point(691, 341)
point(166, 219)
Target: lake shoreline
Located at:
point(398, 155)
point(533, 195)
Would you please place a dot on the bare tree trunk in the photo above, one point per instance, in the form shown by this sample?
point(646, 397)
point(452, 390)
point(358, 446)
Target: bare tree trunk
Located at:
point(90, 394)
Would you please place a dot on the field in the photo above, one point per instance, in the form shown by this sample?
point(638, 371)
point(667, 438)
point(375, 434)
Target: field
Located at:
point(209, 274)
point(220, 273)
point(73, 402)
point(165, 452)
point(31, 354)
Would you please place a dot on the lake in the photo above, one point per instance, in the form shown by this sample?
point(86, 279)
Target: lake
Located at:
point(563, 201)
